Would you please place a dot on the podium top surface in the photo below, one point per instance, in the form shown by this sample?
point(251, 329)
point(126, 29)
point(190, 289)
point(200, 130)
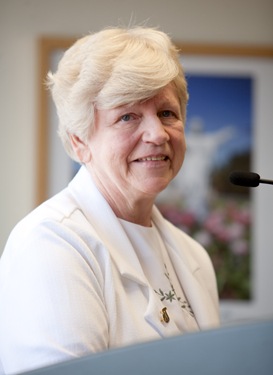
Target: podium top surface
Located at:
point(240, 350)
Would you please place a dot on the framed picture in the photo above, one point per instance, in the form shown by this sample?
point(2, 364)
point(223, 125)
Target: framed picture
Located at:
point(228, 88)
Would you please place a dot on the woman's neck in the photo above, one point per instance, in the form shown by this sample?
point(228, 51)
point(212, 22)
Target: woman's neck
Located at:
point(133, 206)
point(138, 212)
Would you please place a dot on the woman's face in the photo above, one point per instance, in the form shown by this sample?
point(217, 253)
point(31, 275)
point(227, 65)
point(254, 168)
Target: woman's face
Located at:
point(136, 150)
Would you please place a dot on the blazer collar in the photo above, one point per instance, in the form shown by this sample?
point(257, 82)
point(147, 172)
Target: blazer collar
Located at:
point(106, 225)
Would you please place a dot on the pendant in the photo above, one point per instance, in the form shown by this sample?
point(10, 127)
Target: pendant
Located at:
point(165, 317)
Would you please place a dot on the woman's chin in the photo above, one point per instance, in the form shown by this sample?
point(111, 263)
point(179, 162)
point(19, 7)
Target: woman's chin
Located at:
point(155, 187)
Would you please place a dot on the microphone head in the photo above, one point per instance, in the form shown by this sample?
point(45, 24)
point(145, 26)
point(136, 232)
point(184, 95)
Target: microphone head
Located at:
point(249, 179)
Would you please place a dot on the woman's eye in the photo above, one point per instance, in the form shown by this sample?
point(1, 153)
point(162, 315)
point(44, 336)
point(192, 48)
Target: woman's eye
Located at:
point(167, 114)
point(126, 117)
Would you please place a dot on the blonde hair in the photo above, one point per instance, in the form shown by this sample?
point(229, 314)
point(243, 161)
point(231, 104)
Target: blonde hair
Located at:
point(111, 68)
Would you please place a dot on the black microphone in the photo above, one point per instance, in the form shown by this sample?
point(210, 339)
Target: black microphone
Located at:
point(249, 179)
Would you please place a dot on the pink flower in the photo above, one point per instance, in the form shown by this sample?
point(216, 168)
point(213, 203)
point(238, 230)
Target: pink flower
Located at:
point(239, 247)
point(180, 218)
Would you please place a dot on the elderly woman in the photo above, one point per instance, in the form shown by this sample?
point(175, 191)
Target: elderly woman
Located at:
point(97, 266)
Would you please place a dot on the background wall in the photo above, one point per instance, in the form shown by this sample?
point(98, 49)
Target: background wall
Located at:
point(22, 22)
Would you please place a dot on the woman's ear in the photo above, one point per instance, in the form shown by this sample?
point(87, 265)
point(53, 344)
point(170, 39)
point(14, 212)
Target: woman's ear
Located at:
point(80, 148)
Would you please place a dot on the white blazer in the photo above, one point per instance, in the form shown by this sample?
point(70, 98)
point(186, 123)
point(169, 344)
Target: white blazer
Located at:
point(71, 283)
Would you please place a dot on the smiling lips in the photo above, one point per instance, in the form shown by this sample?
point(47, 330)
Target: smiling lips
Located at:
point(153, 158)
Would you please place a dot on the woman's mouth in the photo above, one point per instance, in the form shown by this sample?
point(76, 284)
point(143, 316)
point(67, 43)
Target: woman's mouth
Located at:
point(153, 158)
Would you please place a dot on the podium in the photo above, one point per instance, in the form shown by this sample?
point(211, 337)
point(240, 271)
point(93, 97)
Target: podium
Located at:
point(239, 350)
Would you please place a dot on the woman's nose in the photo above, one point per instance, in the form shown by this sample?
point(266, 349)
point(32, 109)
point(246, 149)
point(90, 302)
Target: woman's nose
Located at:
point(154, 131)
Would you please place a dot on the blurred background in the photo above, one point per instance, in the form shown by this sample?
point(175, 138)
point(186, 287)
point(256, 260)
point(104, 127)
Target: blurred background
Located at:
point(232, 23)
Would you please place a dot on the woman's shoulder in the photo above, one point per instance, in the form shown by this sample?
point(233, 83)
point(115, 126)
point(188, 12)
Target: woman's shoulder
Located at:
point(55, 209)
point(55, 233)
point(58, 217)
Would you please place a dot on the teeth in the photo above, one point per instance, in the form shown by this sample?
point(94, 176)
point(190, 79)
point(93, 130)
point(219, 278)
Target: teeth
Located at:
point(153, 158)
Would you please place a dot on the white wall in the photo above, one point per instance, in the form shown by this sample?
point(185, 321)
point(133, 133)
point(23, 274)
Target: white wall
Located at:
point(22, 22)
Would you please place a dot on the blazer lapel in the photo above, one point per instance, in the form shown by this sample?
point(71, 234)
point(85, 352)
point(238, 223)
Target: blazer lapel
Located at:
point(197, 294)
point(106, 225)
point(188, 272)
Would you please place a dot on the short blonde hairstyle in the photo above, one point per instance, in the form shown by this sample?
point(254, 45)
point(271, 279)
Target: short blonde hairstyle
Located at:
point(111, 68)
